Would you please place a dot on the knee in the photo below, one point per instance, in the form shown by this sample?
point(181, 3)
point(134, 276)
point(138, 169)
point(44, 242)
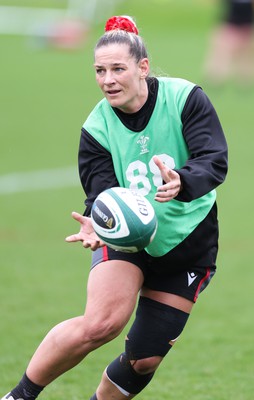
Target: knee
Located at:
point(146, 365)
point(100, 330)
point(153, 333)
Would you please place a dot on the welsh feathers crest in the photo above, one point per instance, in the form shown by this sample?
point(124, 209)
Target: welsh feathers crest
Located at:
point(143, 142)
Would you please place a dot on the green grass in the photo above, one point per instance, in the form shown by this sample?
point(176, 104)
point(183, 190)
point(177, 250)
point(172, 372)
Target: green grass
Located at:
point(45, 97)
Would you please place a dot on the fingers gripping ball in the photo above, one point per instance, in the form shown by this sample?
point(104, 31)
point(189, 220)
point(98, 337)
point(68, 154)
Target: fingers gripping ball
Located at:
point(124, 219)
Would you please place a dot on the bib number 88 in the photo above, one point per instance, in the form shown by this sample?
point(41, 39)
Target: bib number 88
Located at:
point(137, 174)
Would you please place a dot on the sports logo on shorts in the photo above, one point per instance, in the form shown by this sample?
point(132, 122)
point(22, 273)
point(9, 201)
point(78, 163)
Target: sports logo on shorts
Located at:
point(191, 277)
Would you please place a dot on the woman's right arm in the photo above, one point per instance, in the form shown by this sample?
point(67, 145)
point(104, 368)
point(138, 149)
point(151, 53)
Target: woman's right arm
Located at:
point(96, 169)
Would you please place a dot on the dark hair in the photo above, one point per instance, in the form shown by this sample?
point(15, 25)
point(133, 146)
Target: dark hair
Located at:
point(135, 43)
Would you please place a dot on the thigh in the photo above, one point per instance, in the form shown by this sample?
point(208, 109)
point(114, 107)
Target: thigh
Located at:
point(112, 291)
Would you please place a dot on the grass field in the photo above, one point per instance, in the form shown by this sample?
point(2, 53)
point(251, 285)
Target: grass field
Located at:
point(45, 97)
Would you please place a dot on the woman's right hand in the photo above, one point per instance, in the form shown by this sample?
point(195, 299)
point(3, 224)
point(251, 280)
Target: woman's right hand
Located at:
point(86, 234)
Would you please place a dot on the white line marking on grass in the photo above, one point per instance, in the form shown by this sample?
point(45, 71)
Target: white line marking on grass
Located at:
point(39, 180)
point(23, 20)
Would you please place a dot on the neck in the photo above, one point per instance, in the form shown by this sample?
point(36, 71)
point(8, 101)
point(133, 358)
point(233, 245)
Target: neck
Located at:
point(139, 101)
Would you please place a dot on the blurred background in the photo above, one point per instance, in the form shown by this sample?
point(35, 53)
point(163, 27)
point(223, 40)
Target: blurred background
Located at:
point(47, 89)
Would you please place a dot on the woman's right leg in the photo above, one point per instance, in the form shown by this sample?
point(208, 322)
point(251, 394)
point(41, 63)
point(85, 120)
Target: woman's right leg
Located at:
point(111, 298)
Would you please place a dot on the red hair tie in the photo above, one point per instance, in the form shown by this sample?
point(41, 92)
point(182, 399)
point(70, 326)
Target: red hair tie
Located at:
point(121, 23)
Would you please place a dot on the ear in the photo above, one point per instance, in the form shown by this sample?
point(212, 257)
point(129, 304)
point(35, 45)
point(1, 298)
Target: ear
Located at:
point(144, 68)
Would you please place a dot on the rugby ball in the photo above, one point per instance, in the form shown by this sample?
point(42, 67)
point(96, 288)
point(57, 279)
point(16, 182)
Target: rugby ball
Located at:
point(124, 219)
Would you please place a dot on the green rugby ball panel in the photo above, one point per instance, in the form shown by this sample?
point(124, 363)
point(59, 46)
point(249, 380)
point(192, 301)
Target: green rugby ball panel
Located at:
point(124, 219)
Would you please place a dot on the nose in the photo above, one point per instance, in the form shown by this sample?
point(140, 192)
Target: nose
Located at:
point(109, 78)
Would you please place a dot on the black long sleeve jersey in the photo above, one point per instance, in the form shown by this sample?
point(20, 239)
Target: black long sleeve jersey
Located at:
point(204, 171)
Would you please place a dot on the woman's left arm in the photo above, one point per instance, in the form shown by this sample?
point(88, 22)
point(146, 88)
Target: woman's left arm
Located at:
point(207, 165)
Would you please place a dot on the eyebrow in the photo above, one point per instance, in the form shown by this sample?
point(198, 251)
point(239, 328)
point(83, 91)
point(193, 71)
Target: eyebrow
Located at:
point(112, 65)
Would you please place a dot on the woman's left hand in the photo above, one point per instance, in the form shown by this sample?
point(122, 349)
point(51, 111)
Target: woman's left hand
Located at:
point(172, 180)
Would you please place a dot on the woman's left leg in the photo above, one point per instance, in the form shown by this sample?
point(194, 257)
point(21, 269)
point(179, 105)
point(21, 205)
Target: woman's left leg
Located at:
point(159, 321)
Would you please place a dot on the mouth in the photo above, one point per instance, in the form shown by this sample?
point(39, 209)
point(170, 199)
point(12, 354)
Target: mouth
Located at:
point(112, 93)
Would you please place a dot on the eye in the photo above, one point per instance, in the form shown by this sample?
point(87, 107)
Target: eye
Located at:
point(99, 71)
point(119, 69)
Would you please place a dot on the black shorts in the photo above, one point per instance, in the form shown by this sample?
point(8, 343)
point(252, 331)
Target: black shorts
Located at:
point(239, 13)
point(160, 275)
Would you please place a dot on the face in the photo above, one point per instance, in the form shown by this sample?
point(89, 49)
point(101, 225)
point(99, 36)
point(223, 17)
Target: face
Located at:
point(121, 78)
